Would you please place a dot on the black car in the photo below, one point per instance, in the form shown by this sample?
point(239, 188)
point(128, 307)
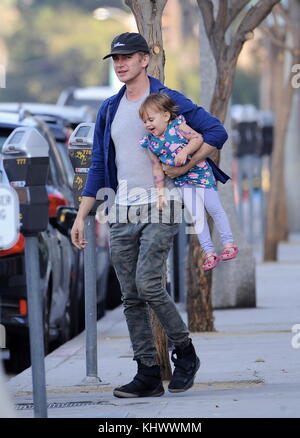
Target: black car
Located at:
point(61, 264)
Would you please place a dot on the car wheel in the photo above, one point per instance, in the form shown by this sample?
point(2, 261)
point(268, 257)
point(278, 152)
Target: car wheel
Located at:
point(77, 300)
point(19, 350)
point(46, 316)
point(65, 325)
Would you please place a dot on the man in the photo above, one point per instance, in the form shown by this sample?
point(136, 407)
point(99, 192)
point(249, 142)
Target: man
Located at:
point(139, 250)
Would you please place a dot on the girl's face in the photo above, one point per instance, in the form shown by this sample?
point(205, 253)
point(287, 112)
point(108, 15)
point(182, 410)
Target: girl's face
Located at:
point(156, 121)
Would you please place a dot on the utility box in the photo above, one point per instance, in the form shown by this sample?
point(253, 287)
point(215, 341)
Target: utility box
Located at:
point(26, 163)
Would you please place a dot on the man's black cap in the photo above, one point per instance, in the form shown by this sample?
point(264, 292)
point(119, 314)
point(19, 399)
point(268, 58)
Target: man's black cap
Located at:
point(128, 42)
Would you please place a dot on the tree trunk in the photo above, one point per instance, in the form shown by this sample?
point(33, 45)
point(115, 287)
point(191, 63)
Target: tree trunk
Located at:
point(225, 57)
point(199, 306)
point(276, 218)
point(148, 16)
point(283, 91)
point(223, 87)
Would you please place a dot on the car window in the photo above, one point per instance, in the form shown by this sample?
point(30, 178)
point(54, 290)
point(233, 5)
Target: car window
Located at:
point(92, 103)
point(4, 133)
point(59, 172)
point(63, 150)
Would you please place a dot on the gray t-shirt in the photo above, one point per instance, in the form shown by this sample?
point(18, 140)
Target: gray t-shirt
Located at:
point(134, 169)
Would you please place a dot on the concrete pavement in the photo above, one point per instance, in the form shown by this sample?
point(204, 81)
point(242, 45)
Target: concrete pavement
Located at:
point(249, 367)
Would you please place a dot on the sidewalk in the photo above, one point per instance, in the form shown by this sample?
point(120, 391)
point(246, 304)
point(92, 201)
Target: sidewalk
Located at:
point(248, 366)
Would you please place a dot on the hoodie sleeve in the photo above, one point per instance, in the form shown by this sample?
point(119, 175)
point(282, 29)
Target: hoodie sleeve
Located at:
point(211, 129)
point(95, 178)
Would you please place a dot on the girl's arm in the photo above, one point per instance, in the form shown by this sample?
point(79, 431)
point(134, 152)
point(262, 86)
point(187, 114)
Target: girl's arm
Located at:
point(159, 180)
point(194, 144)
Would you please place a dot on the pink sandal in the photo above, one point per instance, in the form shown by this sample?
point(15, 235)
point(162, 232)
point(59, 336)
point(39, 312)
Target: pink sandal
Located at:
point(230, 252)
point(210, 264)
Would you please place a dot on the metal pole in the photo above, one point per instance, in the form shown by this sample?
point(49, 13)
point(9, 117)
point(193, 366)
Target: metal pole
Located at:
point(251, 192)
point(240, 168)
point(90, 300)
point(182, 259)
point(36, 327)
point(170, 272)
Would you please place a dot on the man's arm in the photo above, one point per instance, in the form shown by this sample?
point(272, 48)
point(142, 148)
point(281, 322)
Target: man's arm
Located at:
point(77, 236)
point(212, 131)
point(200, 155)
point(94, 181)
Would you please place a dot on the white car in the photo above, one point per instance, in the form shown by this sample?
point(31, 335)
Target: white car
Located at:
point(92, 97)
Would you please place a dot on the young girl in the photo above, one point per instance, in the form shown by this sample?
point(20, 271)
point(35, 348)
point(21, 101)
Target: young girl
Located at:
point(171, 141)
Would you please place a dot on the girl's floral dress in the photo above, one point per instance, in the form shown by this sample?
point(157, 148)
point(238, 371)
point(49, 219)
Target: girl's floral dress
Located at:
point(168, 145)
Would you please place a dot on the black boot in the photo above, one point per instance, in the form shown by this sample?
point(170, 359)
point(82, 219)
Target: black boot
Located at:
point(186, 365)
point(146, 383)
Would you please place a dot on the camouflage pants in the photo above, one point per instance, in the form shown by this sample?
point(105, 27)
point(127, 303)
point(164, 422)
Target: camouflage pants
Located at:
point(139, 252)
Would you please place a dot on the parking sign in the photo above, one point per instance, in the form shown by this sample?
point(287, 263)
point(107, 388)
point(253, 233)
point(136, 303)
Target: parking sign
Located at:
point(9, 217)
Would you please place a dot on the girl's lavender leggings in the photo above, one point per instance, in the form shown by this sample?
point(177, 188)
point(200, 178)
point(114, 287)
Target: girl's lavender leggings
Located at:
point(194, 202)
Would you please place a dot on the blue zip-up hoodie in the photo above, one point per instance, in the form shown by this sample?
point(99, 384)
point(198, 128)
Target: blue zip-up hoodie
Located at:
point(103, 171)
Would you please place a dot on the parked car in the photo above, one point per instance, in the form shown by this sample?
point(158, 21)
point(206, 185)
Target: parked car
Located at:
point(92, 97)
point(72, 115)
point(61, 264)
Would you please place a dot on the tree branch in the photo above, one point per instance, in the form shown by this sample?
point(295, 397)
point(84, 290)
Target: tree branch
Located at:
point(281, 11)
point(292, 26)
point(215, 30)
point(275, 40)
point(207, 10)
point(236, 7)
point(255, 16)
point(221, 17)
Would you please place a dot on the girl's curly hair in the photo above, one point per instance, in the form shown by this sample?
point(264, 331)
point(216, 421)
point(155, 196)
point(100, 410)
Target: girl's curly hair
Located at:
point(160, 101)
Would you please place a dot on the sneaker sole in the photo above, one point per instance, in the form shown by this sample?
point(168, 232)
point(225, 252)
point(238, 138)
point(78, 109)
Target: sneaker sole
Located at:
point(121, 394)
point(190, 383)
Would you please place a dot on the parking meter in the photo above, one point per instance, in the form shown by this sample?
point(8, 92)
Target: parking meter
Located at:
point(80, 152)
point(26, 162)
point(266, 124)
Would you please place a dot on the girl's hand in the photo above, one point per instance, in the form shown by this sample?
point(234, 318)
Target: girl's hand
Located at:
point(161, 202)
point(181, 158)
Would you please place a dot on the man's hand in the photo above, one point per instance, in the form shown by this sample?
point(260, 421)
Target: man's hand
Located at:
point(174, 171)
point(201, 154)
point(77, 236)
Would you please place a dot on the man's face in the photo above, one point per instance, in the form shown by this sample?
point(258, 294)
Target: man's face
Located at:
point(128, 67)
